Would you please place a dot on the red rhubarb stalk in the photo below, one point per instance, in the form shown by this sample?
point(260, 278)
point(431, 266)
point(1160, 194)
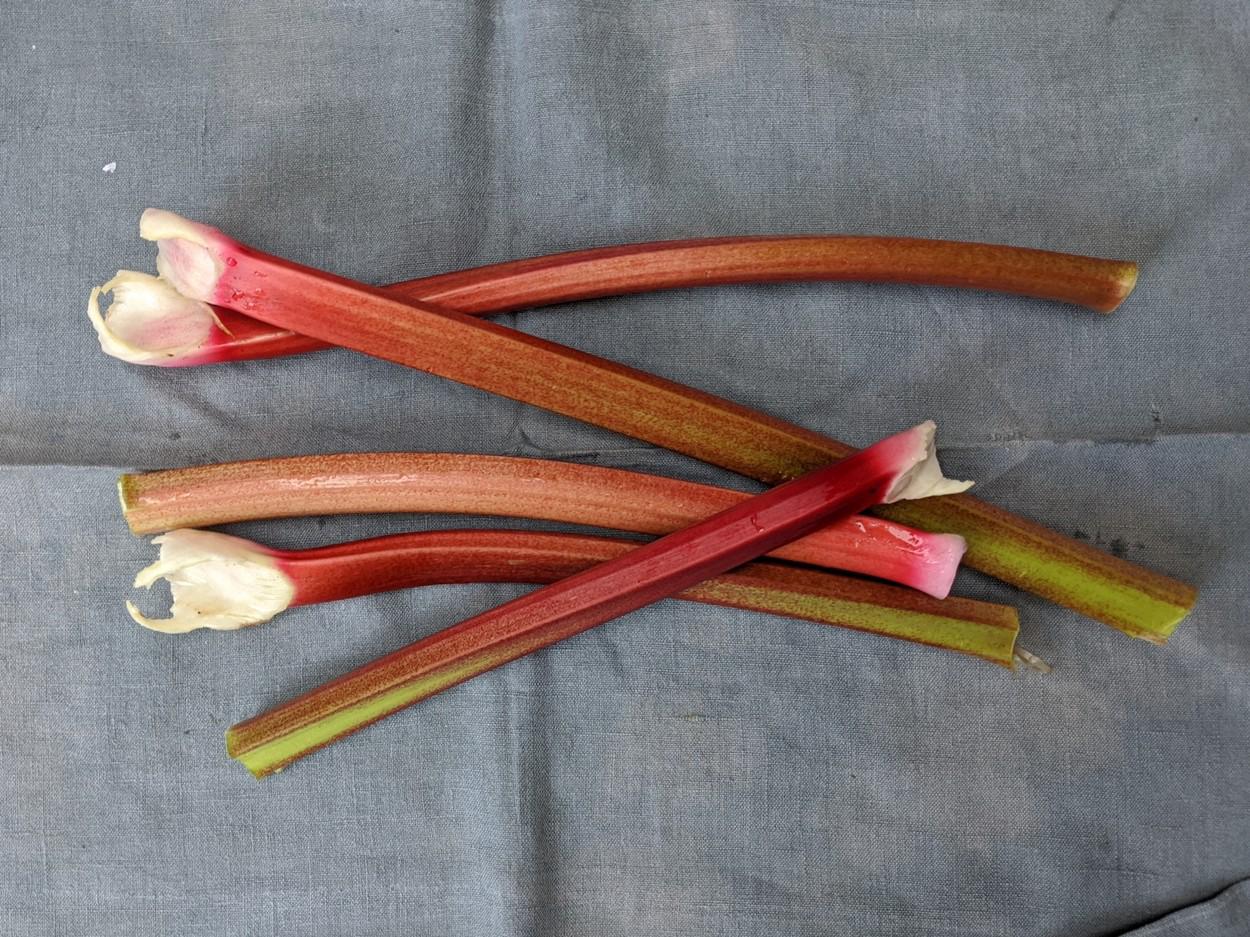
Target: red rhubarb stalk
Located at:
point(900, 467)
point(223, 582)
point(206, 265)
point(449, 483)
point(209, 336)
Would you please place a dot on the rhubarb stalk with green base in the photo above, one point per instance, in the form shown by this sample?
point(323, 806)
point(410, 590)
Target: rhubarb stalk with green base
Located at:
point(205, 335)
point(898, 468)
point(450, 483)
point(223, 583)
point(204, 264)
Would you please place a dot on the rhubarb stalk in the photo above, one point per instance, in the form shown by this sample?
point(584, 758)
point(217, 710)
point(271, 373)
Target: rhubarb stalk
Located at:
point(204, 264)
point(901, 467)
point(207, 336)
point(223, 582)
point(448, 483)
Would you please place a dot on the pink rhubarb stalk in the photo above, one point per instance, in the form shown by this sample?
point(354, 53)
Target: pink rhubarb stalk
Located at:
point(223, 582)
point(205, 335)
point(901, 467)
point(206, 265)
point(448, 483)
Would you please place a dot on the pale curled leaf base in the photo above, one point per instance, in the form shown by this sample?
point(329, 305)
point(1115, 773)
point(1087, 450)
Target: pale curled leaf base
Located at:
point(217, 582)
point(187, 251)
point(148, 321)
point(924, 479)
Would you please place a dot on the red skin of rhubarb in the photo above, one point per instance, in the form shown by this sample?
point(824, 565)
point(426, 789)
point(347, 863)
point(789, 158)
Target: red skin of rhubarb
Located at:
point(523, 367)
point(404, 561)
point(1092, 282)
point(448, 483)
point(608, 590)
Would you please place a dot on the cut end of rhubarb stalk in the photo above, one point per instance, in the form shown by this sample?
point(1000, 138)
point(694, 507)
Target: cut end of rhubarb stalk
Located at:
point(189, 252)
point(1125, 282)
point(924, 479)
point(217, 582)
point(148, 321)
point(937, 560)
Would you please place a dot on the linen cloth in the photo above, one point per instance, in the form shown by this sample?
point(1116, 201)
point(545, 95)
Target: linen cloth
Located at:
point(684, 769)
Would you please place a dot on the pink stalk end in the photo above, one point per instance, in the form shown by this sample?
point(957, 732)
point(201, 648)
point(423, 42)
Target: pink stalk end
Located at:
point(933, 559)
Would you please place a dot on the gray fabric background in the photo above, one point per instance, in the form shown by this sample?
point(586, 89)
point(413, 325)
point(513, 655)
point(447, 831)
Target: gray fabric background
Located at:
point(684, 770)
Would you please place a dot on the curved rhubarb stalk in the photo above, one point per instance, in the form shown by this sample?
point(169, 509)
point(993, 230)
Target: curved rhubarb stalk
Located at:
point(898, 468)
point(225, 582)
point(222, 335)
point(205, 264)
point(448, 483)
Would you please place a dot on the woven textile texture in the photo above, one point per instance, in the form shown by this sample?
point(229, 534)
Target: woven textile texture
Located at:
point(685, 769)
